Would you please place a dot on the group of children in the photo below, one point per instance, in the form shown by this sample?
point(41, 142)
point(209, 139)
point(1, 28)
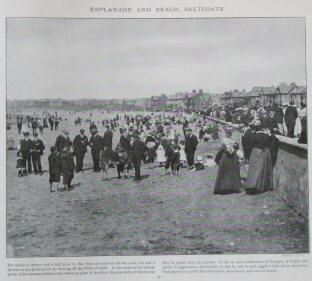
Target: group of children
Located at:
point(61, 163)
point(173, 156)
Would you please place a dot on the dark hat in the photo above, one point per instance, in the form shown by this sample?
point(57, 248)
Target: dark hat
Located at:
point(82, 130)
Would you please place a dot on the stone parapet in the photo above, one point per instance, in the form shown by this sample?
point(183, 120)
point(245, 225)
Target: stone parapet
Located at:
point(290, 172)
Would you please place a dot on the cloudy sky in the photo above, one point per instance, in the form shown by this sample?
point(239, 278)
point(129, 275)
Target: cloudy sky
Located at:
point(120, 58)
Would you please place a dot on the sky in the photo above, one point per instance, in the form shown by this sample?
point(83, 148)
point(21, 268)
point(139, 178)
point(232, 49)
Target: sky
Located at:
point(136, 58)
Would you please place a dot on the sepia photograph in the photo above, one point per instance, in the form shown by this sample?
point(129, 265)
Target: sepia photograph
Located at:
point(142, 136)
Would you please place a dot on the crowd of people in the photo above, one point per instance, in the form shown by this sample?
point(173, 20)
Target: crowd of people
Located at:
point(287, 120)
point(165, 139)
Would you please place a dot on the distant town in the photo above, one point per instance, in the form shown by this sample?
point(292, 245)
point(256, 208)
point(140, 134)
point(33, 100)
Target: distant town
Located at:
point(195, 99)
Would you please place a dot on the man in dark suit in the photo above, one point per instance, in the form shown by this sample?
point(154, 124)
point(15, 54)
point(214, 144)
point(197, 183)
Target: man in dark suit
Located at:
point(278, 117)
point(80, 148)
point(108, 138)
point(37, 148)
point(124, 140)
point(25, 148)
point(191, 143)
point(137, 150)
point(96, 143)
point(62, 141)
point(291, 115)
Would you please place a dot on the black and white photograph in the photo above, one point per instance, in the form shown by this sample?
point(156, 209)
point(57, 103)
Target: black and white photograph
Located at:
point(156, 136)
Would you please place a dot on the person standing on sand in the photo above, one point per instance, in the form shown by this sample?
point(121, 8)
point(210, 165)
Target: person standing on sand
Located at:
point(54, 168)
point(37, 149)
point(138, 149)
point(96, 144)
point(68, 167)
point(80, 148)
point(25, 148)
point(191, 143)
point(62, 141)
point(228, 177)
point(19, 124)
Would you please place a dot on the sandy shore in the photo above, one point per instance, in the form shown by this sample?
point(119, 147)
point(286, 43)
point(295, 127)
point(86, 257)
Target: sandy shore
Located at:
point(158, 216)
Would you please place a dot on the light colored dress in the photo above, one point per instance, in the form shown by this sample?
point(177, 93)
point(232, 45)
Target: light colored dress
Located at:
point(182, 154)
point(160, 153)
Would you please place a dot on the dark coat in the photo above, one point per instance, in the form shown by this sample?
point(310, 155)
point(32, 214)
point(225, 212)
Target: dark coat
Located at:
point(67, 162)
point(124, 142)
point(37, 146)
point(62, 142)
point(191, 144)
point(278, 115)
point(96, 143)
point(291, 115)
point(26, 146)
point(303, 135)
point(247, 142)
point(80, 144)
point(108, 138)
point(138, 149)
point(54, 163)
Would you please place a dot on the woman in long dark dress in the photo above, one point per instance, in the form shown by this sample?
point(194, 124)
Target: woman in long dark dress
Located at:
point(260, 172)
point(228, 178)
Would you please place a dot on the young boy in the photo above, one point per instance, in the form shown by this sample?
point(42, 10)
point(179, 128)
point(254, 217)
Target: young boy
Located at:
point(54, 168)
point(20, 164)
point(175, 161)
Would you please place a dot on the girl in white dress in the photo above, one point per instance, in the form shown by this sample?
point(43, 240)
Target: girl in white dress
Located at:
point(160, 155)
point(182, 152)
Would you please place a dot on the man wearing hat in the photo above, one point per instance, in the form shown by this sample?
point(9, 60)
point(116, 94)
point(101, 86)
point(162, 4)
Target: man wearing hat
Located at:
point(62, 141)
point(80, 148)
point(191, 143)
point(96, 143)
point(26, 145)
point(37, 149)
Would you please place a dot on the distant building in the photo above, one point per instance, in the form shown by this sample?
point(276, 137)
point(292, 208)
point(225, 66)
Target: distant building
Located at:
point(180, 99)
point(159, 101)
point(298, 94)
point(234, 97)
point(281, 94)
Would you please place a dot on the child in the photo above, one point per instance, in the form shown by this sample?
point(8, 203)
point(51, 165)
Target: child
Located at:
point(104, 163)
point(182, 153)
point(68, 167)
point(175, 161)
point(160, 153)
point(123, 160)
point(199, 164)
point(201, 133)
point(20, 164)
point(209, 161)
point(54, 168)
point(11, 143)
point(215, 131)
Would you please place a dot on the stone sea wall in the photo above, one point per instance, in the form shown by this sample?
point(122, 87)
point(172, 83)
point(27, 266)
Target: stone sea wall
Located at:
point(290, 173)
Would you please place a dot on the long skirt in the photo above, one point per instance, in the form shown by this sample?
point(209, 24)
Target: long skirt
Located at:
point(260, 172)
point(228, 178)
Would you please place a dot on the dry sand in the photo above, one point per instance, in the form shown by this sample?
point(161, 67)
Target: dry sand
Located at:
point(158, 216)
